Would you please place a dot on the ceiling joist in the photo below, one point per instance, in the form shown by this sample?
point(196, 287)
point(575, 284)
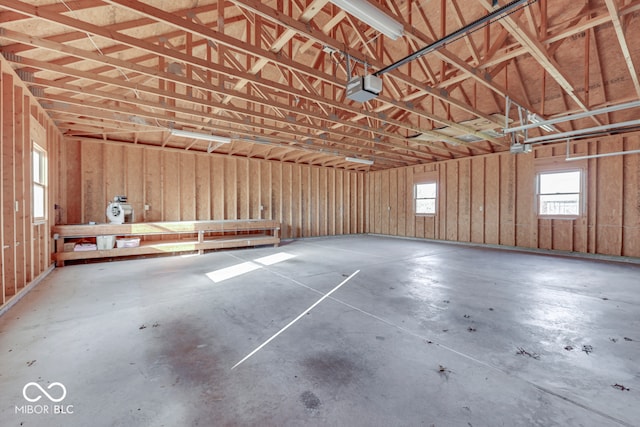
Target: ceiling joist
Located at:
point(273, 74)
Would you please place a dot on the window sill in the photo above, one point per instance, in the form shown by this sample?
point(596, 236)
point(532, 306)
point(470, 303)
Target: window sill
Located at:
point(565, 217)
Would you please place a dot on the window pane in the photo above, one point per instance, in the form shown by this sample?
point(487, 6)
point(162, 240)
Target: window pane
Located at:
point(562, 182)
point(424, 191)
point(36, 166)
point(426, 206)
point(560, 204)
point(38, 201)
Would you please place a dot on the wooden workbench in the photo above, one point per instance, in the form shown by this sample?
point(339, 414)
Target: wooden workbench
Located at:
point(184, 236)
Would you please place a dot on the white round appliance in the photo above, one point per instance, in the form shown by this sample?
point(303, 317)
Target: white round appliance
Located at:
point(115, 213)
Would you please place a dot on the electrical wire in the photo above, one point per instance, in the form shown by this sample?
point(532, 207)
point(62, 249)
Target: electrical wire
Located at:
point(136, 93)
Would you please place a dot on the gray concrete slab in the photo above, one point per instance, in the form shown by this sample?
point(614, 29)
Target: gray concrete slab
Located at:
point(425, 334)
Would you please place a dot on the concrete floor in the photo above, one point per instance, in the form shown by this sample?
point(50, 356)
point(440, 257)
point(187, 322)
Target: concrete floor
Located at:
point(425, 334)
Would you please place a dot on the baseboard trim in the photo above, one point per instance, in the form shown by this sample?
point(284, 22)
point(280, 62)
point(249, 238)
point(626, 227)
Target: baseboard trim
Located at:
point(22, 292)
point(581, 255)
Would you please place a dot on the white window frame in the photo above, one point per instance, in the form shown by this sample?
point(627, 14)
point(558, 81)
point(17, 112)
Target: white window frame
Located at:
point(557, 168)
point(41, 183)
point(434, 198)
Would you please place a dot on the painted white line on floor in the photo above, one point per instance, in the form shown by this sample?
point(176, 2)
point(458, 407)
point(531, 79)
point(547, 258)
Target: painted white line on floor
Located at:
point(389, 323)
point(437, 344)
point(295, 320)
point(466, 356)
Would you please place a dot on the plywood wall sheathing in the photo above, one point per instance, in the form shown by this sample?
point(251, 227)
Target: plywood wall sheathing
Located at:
point(491, 199)
point(25, 250)
point(181, 185)
point(272, 74)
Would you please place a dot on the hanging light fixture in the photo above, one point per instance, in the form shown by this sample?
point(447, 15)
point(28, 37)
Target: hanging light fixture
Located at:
point(372, 16)
point(358, 160)
point(202, 136)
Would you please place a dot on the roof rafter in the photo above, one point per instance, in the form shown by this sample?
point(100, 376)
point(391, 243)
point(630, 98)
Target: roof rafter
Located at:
point(622, 40)
point(539, 53)
point(165, 75)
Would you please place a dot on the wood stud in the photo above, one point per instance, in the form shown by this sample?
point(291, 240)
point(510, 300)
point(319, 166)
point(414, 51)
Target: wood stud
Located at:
point(280, 83)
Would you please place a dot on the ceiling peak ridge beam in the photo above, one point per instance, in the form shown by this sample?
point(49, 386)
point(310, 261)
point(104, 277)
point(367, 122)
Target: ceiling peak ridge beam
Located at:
point(617, 25)
point(537, 50)
point(319, 37)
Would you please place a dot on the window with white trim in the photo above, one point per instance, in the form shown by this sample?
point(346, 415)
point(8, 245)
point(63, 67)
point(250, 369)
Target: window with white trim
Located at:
point(426, 198)
point(39, 165)
point(560, 193)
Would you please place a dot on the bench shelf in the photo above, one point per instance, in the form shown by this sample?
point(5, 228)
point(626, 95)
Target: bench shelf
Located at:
point(184, 236)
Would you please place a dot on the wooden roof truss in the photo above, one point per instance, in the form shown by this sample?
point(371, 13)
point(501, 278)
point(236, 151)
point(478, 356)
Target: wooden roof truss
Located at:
point(271, 75)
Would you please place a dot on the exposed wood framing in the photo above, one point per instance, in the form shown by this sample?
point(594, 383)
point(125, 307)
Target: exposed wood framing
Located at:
point(617, 25)
point(24, 240)
point(477, 201)
point(275, 72)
